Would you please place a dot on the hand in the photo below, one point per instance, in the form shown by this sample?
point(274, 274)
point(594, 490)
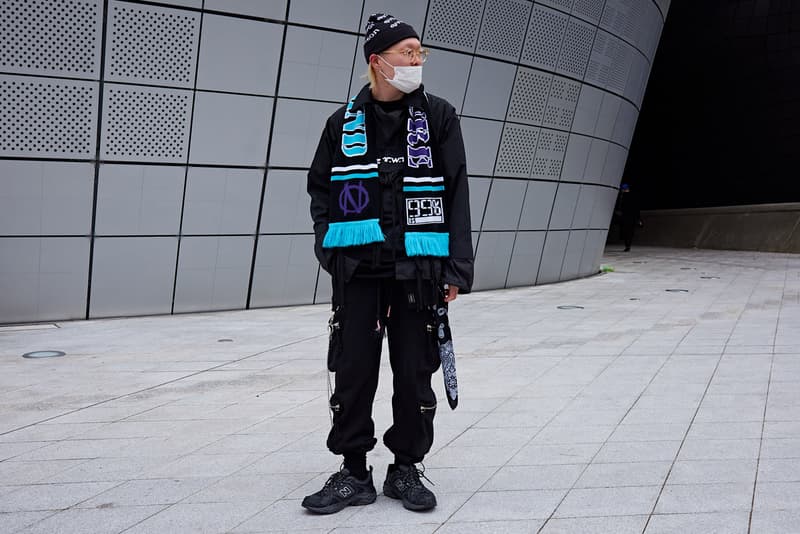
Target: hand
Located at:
point(452, 293)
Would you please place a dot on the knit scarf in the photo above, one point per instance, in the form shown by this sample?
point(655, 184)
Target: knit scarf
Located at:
point(355, 194)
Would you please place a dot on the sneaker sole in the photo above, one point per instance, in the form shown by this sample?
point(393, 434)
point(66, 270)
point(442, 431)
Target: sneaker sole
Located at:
point(357, 500)
point(388, 491)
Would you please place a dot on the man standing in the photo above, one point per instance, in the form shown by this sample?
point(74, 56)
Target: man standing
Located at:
point(390, 204)
point(628, 212)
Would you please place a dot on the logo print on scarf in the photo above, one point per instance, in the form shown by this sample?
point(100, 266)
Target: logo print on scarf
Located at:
point(419, 155)
point(353, 198)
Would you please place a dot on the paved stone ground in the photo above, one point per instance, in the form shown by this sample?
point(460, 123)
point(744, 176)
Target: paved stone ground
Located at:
point(646, 411)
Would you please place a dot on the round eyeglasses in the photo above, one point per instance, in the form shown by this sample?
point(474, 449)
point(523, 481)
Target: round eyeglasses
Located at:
point(410, 54)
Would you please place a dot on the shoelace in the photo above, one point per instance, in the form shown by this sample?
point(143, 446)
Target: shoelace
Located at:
point(333, 483)
point(411, 477)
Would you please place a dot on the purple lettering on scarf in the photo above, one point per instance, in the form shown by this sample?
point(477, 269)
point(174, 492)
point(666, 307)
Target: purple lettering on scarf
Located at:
point(353, 199)
point(420, 156)
point(418, 130)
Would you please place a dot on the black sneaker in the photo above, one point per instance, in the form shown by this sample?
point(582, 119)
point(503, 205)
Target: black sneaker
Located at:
point(341, 490)
point(402, 482)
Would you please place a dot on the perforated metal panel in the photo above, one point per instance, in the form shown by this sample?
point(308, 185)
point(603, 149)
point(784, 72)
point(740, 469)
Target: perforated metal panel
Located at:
point(561, 104)
point(610, 62)
point(577, 48)
point(637, 79)
point(57, 37)
point(650, 31)
point(563, 5)
point(550, 154)
point(623, 18)
point(626, 122)
point(545, 33)
point(589, 9)
point(44, 117)
point(517, 148)
point(145, 124)
point(503, 28)
point(529, 96)
point(151, 45)
point(454, 23)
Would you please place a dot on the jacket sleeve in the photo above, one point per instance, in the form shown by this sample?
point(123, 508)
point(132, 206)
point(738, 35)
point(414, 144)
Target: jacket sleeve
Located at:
point(457, 270)
point(318, 188)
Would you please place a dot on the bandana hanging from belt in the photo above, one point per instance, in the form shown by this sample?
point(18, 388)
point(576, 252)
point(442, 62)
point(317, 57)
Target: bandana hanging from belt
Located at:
point(355, 189)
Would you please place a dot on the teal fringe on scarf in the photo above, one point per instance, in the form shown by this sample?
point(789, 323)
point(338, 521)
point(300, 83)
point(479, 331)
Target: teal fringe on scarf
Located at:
point(351, 233)
point(427, 244)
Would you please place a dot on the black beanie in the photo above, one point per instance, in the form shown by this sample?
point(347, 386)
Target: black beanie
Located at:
point(383, 31)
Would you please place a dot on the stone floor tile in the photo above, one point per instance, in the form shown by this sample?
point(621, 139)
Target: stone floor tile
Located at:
point(381, 529)
point(632, 524)
point(574, 434)
point(483, 437)
point(779, 470)
point(386, 512)
point(777, 496)
point(12, 472)
point(105, 470)
point(148, 492)
point(111, 520)
point(775, 521)
point(780, 448)
point(542, 388)
point(452, 479)
point(521, 419)
point(294, 462)
point(534, 477)
point(509, 505)
point(735, 430)
point(534, 454)
point(782, 430)
point(9, 450)
point(81, 449)
point(487, 456)
point(204, 518)
point(484, 527)
point(719, 449)
point(650, 432)
point(698, 498)
point(716, 523)
point(638, 451)
point(594, 502)
point(14, 521)
point(204, 465)
point(712, 472)
point(252, 443)
point(51, 496)
point(599, 475)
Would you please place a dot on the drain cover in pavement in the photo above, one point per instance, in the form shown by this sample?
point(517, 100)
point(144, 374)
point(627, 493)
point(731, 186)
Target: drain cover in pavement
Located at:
point(44, 354)
point(569, 307)
point(225, 340)
point(709, 277)
point(677, 290)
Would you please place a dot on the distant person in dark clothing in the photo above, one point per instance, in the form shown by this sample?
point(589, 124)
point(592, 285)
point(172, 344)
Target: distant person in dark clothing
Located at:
point(628, 213)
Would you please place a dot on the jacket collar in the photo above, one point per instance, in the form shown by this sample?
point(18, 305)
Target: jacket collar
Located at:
point(416, 99)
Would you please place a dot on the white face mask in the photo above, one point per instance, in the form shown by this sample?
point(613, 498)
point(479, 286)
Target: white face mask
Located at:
point(406, 79)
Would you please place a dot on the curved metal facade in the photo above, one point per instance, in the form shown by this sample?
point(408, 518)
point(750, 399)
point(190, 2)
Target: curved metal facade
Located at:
point(153, 156)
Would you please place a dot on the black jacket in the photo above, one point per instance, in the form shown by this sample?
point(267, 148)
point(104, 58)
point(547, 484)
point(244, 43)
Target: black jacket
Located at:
point(455, 270)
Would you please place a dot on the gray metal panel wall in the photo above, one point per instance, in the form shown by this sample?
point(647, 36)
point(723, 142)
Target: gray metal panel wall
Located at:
point(159, 152)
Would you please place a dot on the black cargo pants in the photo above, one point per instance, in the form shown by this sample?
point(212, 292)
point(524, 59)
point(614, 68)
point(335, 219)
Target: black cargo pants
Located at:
point(369, 306)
